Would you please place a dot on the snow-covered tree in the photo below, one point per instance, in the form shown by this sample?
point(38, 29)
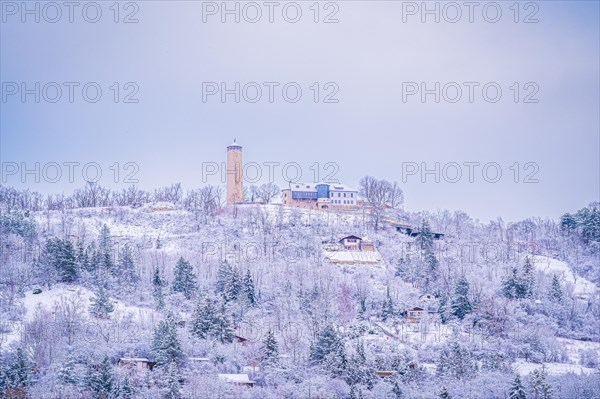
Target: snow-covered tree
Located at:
point(101, 305)
point(100, 379)
point(248, 288)
point(126, 389)
point(185, 279)
point(126, 270)
point(17, 375)
point(67, 373)
point(517, 390)
point(157, 289)
point(388, 312)
point(166, 345)
point(173, 386)
point(541, 388)
point(444, 394)
point(329, 351)
point(461, 304)
point(270, 349)
point(556, 293)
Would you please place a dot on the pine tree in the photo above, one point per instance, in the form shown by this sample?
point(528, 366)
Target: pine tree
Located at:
point(165, 343)
point(157, 292)
point(185, 280)
point(203, 318)
point(444, 394)
point(556, 294)
point(18, 373)
point(101, 305)
point(248, 285)
point(223, 327)
point(223, 276)
point(126, 390)
point(105, 249)
point(329, 351)
point(510, 285)
point(528, 280)
point(397, 391)
point(66, 373)
point(388, 307)
point(174, 388)
point(100, 379)
point(58, 260)
point(425, 242)
point(232, 287)
point(127, 266)
point(270, 349)
point(541, 388)
point(517, 390)
point(461, 305)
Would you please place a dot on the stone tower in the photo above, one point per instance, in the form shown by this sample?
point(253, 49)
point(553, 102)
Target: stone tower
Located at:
point(235, 177)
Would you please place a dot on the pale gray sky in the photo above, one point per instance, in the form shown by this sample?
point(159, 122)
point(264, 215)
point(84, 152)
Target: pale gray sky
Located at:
point(368, 57)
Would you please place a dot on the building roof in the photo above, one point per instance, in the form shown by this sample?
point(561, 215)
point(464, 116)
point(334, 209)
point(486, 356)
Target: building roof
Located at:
point(340, 187)
point(234, 144)
point(350, 236)
point(236, 378)
point(134, 359)
point(302, 186)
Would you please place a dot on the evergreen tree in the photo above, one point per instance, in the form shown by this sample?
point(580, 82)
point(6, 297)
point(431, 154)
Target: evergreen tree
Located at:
point(329, 351)
point(126, 268)
point(425, 242)
point(461, 304)
point(165, 343)
point(444, 394)
point(223, 276)
point(455, 361)
point(157, 292)
point(270, 349)
point(18, 372)
point(100, 379)
point(556, 294)
point(388, 307)
point(58, 260)
point(101, 305)
point(66, 373)
point(541, 388)
point(203, 318)
point(223, 329)
point(185, 280)
point(248, 285)
point(517, 390)
point(126, 390)
point(397, 391)
point(528, 280)
point(233, 287)
point(174, 388)
point(510, 285)
point(105, 249)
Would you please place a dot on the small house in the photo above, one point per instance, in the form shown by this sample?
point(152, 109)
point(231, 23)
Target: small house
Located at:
point(237, 379)
point(136, 362)
point(351, 243)
point(415, 314)
point(385, 373)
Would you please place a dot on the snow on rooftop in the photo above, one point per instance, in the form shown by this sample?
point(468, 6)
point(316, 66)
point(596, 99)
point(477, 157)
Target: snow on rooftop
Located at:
point(236, 378)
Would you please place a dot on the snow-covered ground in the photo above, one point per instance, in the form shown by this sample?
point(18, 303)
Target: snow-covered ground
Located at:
point(131, 319)
point(522, 367)
point(582, 288)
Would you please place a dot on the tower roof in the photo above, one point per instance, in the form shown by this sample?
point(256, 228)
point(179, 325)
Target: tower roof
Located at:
point(234, 144)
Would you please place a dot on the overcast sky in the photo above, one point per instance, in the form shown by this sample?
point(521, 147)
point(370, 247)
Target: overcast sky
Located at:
point(371, 61)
